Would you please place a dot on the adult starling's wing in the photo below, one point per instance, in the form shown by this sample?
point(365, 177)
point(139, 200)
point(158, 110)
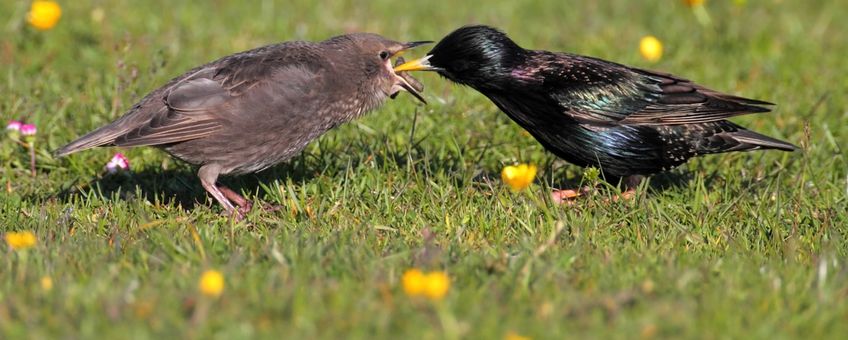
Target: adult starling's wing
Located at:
point(204, 103)
point(597, 91)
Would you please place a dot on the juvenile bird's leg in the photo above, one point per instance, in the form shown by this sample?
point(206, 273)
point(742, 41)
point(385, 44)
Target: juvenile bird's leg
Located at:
point(243, 204)
point(208, 175)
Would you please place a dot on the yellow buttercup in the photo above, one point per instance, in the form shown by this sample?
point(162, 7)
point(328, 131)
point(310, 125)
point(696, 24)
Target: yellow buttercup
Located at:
point(43, 15)
point(519, 177)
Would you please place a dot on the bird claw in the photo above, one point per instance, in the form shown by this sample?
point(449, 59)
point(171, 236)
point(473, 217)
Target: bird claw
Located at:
point(237, 214)
point(570, 196)
point(244, 209)
point(626, 195)
point(268, 207)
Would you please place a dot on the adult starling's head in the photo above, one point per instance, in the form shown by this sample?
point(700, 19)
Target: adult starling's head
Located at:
point(367, 58)
point(471, 55)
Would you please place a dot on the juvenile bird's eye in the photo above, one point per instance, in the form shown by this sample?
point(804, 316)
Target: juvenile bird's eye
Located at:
point(384, 55)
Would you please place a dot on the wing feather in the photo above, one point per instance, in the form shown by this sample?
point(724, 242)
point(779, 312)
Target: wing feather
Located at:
point(596, 91)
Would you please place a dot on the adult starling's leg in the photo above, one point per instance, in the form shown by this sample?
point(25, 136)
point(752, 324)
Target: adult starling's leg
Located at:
point(568, 196)
point(243, 204)
point(630, 184)
point(208, 175)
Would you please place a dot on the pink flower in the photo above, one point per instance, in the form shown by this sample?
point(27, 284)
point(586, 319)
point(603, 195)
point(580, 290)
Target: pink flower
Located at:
point(28, 130)
point(14, 125)
point(119, 162)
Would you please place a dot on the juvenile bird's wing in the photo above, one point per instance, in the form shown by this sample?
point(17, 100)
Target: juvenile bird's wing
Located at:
point(208, 99)
point(187, 111)
point(596, 91)
point(200, 102)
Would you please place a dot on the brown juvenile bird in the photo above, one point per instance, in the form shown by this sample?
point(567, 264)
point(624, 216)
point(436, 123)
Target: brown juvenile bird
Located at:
point(249, 111)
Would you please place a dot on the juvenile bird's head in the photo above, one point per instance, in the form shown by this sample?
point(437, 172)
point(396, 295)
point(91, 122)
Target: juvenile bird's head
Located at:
point(471, 55)
point(366, 60)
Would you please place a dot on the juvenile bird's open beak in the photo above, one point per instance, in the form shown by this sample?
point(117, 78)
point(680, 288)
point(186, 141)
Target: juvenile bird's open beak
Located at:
point(422, 64)
point(413, 44)
point(409, 88)
point(405, 81)
point(409, 45)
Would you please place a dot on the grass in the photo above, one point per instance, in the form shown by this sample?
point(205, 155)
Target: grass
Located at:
point(746, 245)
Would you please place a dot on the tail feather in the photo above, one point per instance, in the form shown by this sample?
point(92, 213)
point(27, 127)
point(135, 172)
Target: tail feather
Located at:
point(139, 115)
point(103, 136)
point(750, 140)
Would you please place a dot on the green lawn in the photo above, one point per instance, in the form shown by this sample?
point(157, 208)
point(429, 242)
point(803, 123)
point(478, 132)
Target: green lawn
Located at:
point(746, 245)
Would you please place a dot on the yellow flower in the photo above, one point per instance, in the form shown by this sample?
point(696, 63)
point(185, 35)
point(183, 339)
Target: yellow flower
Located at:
point(515, 336)
point(651, 48)
point(693, 3)
point(212, 283)
point(519, 177)
point(437, 285)
point(97, 15)
point(433, 285)
point(648, 332)
point(46, 283)
point(414, 282)
point(20, 240)
point(43, 15)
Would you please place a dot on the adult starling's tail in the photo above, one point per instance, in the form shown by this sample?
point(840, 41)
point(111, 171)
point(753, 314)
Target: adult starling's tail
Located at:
point(743, 140)
point(750, 140)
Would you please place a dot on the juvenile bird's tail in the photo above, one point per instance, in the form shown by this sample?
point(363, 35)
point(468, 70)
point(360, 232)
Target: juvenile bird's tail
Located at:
point(106, 135)
point(103, 136)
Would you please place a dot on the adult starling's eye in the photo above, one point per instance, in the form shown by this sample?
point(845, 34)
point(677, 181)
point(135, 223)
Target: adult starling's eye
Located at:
point(384, 55)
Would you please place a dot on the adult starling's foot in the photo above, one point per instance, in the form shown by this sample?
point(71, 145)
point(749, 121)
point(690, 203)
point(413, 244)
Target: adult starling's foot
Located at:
point(569, 196)
point(630, 184)
point(625, 195)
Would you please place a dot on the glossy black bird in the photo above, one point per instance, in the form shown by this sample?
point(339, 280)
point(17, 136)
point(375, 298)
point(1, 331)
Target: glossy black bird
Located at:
point(628, 122)
point(248, 111)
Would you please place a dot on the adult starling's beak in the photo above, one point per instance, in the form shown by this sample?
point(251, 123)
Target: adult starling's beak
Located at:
point(422, 64)
point(408, 83)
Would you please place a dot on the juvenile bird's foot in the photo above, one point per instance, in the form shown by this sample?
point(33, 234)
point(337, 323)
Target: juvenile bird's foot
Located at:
point(268, 207)
point(243, 204)
point(225, 196)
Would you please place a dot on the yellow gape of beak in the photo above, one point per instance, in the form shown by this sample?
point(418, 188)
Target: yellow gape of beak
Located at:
point(422, 64)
